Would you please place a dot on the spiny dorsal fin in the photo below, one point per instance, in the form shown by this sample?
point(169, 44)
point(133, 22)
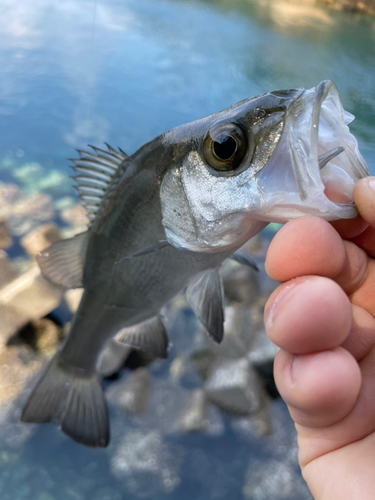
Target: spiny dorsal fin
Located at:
point(93, 174)
point(149, 336)
point(206, 297)
point(62, 263)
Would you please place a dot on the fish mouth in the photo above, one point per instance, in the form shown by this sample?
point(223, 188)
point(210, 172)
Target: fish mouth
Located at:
point(316, 163)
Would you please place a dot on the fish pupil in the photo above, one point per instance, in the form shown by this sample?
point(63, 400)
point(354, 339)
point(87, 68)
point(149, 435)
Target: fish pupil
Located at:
point(226, 148)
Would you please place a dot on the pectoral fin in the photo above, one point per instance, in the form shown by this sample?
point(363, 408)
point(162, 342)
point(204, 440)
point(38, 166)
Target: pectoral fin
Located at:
point(62, 263)
point(243, 258)
point(206, 297)
point(149, 336)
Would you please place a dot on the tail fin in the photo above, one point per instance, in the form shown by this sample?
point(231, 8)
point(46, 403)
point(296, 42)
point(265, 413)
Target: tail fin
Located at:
point(74, 400)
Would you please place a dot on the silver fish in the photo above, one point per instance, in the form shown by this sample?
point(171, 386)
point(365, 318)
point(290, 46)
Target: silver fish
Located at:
point(167, 216)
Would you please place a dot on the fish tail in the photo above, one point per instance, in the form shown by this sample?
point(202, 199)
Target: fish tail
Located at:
point(74, 400)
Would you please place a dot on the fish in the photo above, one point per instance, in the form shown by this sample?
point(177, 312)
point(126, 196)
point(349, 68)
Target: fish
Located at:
point(165, 218)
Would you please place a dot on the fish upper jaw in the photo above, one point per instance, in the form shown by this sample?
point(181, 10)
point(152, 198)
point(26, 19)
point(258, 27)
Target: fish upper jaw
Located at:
point(292, 183)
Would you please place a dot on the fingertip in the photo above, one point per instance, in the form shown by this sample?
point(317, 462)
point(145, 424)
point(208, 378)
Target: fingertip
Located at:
point(307, 314)
point(319, 388)
point(364, 198)
point(305, 246)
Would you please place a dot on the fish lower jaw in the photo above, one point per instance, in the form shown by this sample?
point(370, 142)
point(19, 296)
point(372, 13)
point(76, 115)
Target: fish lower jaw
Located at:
point(316, 164)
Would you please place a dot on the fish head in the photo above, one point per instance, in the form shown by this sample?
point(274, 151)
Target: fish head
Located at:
point(271, 158)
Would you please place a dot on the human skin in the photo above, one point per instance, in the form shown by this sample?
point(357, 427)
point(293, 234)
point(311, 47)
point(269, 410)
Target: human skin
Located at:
point(322, 318)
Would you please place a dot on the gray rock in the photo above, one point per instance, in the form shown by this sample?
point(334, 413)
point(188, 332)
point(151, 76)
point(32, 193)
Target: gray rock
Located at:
point(194, 416)
point(256, 426)
point(234, 387)
point(134, 396)
point(263, 351)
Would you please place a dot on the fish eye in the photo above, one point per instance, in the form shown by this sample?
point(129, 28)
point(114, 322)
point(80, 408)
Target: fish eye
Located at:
point(224, 147)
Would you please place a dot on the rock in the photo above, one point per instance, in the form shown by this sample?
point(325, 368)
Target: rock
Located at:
point(203, 361)
point(274, 479)
point(5, 238)
point(27, 297)
point(40, 238)
point(42, 335)
point(241, 285)
point(234, 387)
point(256, 426)
point(194, 416)
point(134, 395)
point(75, 216)
point(146, 465)
point(7, 271)
point(73, 298)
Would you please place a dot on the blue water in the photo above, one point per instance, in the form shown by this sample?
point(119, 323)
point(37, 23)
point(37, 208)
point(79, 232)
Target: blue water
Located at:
point(83, 72)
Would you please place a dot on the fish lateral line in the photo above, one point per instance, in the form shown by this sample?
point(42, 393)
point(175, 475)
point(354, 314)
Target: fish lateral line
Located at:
point(153, 248)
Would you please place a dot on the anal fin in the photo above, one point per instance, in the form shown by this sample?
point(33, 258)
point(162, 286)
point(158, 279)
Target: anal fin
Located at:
point(113, 358)
point(206, 297)
point(72, 399)
point(62, 263)
point(149, 336)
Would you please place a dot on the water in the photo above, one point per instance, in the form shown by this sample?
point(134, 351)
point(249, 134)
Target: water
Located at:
point(83, 72)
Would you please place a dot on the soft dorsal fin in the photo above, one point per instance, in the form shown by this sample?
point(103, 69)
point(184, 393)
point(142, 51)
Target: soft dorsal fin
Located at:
point(206, 297)
point(149, 336)
point(93, 174)
point(62, 263)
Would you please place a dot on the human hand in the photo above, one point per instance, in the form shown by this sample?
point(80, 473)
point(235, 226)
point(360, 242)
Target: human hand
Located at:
point(322, 318)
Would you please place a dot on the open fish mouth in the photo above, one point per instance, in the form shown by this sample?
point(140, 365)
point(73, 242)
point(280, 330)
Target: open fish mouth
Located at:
point(316, 163)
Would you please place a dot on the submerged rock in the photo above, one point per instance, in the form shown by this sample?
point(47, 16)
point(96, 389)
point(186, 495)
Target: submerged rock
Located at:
point(146, 464)
point(234, 387)
point(135, 394)
point(194, 416)
point(279, 480)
